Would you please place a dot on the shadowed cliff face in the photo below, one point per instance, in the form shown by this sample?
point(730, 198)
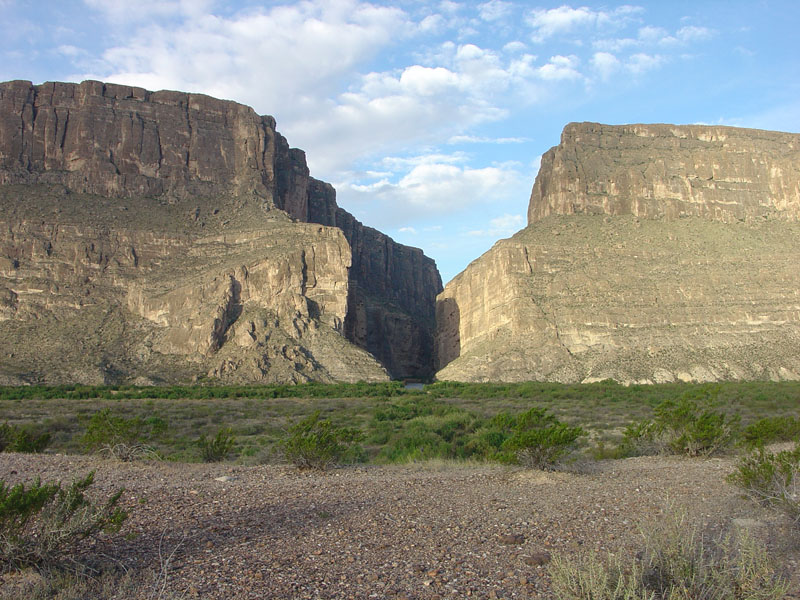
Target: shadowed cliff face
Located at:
point(654, 253)
point(163, 223)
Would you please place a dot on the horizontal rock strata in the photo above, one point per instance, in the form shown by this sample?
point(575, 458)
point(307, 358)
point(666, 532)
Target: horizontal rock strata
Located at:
point(658, 286)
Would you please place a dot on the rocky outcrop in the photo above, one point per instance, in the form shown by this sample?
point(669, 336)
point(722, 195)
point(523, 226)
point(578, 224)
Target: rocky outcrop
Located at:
point(672, 171)
point(635, 270)
point(174, 235)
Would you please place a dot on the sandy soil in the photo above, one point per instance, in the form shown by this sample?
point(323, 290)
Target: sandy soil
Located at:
point(421, 531)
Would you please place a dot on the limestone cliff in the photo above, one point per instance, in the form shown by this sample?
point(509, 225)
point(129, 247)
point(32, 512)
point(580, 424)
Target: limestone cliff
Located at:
point(654, 253)
point(652, 171)
point(167, 235)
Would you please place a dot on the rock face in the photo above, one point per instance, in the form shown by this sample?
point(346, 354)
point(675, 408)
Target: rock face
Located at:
point(654, 171)
point(166, 236)
point(654, 253)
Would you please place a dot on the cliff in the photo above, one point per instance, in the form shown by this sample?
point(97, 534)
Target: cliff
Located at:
point(654, 253)
point(653, 171)
point(168, 236)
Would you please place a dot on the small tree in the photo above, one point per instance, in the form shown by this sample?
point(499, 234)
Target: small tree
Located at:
point(316, 444)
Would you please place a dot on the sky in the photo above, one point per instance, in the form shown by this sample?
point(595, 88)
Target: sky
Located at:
point(430, 118)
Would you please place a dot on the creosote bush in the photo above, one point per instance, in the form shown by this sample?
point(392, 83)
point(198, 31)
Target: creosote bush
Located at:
point(771, 429)
point(771, 479)
point(122, 438)
point(314, 443)
point(217, 448)
point(535, 438)
point(19, 438)
point(677, 563)
point(689, 425)
point(41, 525)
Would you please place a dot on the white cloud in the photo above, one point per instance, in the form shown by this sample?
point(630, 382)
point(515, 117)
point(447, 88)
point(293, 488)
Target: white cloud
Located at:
point(565, 19)
point(691, 33)
point(560, 68)
point(71, 51)
point(514, 47)
point(615, 45)
point(605, 64)
point(410, 230)
point(641, 63)
point(652, 35)
point(434, 186)
point(319, 44)
point(502, 226)
point(494, 10)
point(476, 139)
point(548, 23)
point(398, 163)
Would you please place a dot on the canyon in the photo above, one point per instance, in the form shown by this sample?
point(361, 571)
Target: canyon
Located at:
point(165, 237)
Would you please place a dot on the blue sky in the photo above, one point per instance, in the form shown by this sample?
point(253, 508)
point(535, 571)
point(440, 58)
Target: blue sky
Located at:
point(430, 117)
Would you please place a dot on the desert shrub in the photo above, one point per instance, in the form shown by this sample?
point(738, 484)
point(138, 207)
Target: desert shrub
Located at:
point(313, 443)
point(119, 437)
point(771, 429)
point(42, 524)
point(695, 428)
point(690, 425)
point(642, 438)
point(432, 436)
point(676, 563)
point(771, 479)
point(217, 448)
point(537, 439)
point(19, 438)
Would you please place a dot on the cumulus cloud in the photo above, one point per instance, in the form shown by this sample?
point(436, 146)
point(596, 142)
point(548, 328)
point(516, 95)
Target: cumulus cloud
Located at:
point(319, 44)
point(560, 68)
point(435, 185)
point(606, 64)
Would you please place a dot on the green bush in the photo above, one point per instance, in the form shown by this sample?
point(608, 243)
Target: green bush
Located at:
point(216, 449)
point(18, 438)
point(676, 563)
point(122, 438)
point(313, 443)
point(770, 430)
point(689, 425)
point(642, 438)
point(41, 525)
point(695, 429)
point(771, 479)
point(537, 439)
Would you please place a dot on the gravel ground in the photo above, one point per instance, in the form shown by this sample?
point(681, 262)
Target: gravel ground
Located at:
point(421, 531)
